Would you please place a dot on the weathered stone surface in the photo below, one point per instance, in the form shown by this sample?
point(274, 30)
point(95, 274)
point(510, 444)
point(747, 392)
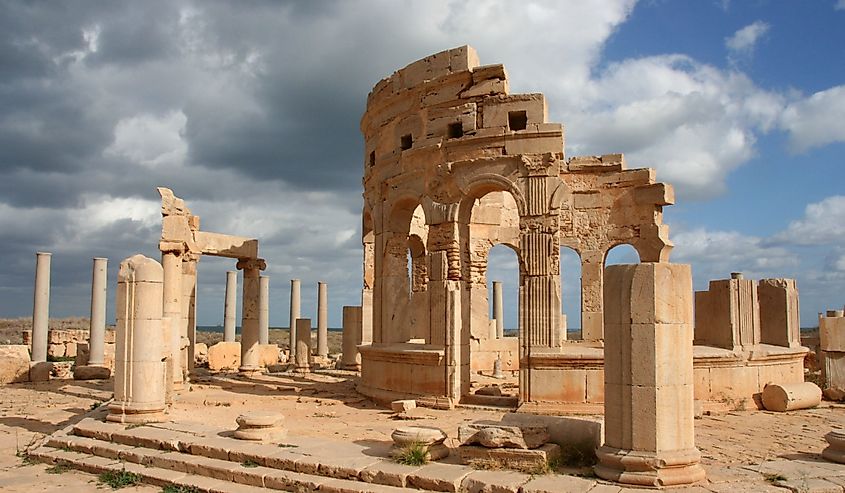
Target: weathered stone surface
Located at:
point(418, 434)
point(493, 390)
point(533, 460)
point(201, 354)
point(497, 435)
point(224, 356)
point(40, 372)
point(835, 450)
point(789, 397)
point(403, 406)
point(260, 426)
point(14, 364)
point(91, 373)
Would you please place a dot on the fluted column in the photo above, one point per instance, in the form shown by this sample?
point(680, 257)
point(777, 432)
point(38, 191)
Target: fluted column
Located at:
point(322, 320)
point(41, 307)
point(263, 310)
point(230, 306)
point(250, 356)
point(294, 314)
point(97, 329)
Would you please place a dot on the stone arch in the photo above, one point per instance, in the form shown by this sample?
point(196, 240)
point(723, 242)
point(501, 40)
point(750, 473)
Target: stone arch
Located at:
point(631, 248)
point(477, 186)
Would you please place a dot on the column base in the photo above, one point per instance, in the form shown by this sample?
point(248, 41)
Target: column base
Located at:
point(123, 413)
point(250, 370)
point(350, 366)
point(302, 369)
point(642, 468)
point(835, 452)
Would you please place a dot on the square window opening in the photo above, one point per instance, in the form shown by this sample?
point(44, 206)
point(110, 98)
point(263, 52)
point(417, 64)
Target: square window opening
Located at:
point(517, 120)
point(406, 141)
point(455, 130)
point(373, 158)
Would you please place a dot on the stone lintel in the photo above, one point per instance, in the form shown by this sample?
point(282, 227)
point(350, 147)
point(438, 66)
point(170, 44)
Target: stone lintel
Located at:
point(223, 245)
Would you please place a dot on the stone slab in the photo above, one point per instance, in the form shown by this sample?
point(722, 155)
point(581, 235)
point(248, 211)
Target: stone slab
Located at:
point(492, 434)
point(439, 477)
point(388, 473)
point(495, 482)
point(553, 483)
point(14, 364)
point(510, 458)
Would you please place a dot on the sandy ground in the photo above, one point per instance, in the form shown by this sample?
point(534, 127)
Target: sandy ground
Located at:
point(326, 405)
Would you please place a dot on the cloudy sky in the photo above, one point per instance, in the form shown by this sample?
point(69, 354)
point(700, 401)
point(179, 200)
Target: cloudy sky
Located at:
point(250, 111)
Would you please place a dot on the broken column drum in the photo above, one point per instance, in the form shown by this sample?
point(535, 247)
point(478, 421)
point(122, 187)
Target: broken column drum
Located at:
point(453, 165)
point(139, 387)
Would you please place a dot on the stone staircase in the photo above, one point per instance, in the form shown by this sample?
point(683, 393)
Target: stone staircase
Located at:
point(195, 456)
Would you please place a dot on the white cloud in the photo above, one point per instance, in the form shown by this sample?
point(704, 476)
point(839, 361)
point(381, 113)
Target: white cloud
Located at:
point(840, 5)
point(817, 120)
point(821, 224)
point(151, 140)
point(742, 42)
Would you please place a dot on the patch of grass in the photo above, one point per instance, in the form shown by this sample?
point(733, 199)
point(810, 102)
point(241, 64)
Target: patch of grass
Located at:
point(172, 488)
point(26, 459)
point(95, 405)
point(287, 445)
point(119, 479)
point(413, 454)
point(249, 463)
point(134, 425)
point(572, 455)
point(774, 478)
point(58, 469)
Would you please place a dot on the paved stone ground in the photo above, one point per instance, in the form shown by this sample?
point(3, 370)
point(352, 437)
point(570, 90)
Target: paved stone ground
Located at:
point(742, 450)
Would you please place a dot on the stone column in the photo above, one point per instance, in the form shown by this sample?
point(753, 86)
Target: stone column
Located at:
point(41, 307)
point(230, 306)
point(352, 324)
point(592, 274)
point(322, 320)
point(139, 371)
point(649, 432)
point(303, 345)
point(263, 310)
point(97, 329)
point(189, 310)
point(498, 309)
point(294, 315)
point(171, 262)
point(250, 355)
point(366, 316)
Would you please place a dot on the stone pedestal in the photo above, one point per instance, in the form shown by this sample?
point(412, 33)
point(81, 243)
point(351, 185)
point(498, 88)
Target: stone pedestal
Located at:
point(41, 307)
point(835, 451)
point(139, 369)
point(498, 309)
point(302, 357)
point(263, 310)
point(250, 357)
point(322, 320)
point(230, 306)
point(431, 439)
point(649, 434)
point(294, 315)
point(352, 325)
point(259, 426)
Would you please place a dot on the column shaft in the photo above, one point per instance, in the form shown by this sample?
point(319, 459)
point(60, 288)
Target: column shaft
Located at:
point(250, 356)
point(41, 307)
point(97, 329)
point(171, 262)
point(322, 320)
point(303, 345)
point(498, 309)
point(230, 306)
point(294, 314)
point(264, 310)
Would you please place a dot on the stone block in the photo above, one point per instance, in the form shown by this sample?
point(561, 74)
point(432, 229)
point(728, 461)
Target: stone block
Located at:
point(268, 354)
point(88, 372)
point(56, 350)
point(40, 372)
point(201, 354)
point(527, 460)
point(403, 405)
point(14, 363)
point(582, 434)
point(832, 334)
point(224, 356)
point(493, 434)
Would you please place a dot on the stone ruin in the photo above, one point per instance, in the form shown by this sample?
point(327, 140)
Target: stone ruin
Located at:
point(455, 164)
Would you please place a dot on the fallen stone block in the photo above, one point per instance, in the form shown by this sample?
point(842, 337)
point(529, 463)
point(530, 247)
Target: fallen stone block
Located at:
point(90, 372)
point(403, 406)
point(14, 363)
point(224, 356)
point(492, 434)
point(524, 460)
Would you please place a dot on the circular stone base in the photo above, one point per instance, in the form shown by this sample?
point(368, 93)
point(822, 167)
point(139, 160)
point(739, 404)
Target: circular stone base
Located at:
point(135, 418)
point(648, 468)
point(835, 452)
point(406, 435)
point(260, 426)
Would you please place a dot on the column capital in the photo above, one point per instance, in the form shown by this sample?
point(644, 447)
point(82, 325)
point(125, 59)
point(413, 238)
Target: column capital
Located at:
point(251, 263)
